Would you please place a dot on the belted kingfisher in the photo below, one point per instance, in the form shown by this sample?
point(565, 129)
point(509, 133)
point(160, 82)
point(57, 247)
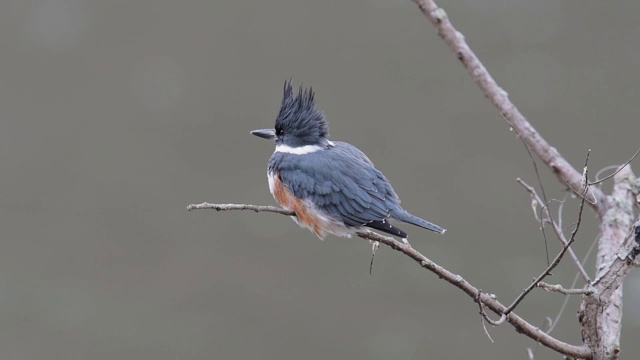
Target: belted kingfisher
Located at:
point(332, 187)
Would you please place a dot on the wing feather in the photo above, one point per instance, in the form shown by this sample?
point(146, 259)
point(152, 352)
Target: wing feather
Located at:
point(340, 181)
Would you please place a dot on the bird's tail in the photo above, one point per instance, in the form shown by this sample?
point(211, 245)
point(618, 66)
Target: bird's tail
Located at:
point(404, 216)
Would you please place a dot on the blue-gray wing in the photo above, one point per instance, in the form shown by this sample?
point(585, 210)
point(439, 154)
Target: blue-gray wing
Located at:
point(340, 181)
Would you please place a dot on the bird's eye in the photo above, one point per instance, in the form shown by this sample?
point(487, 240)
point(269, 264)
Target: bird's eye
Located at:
point(279, 132)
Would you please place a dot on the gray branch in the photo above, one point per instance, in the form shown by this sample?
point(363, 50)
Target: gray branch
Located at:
point(487, 300)
point(601, 315)
point(500, 99)
point(227, 207)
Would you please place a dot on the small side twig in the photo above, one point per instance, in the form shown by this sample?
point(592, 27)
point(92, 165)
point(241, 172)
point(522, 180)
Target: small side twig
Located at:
point(586, 256)
point(483, 316)
point(530, 354)
point(617, 171)
point(566, 246)
point(560, 289)
point(556, 228)
point(227, 207)
point(490, 302)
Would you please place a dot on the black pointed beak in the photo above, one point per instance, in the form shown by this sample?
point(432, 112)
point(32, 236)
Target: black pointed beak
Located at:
point(268, 134)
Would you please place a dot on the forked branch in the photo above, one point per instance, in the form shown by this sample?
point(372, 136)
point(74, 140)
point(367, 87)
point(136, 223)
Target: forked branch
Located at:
point(487, 300)
point(567, 244)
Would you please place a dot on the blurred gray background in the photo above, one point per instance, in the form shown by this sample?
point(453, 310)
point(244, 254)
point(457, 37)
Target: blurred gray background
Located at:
point(114, 115)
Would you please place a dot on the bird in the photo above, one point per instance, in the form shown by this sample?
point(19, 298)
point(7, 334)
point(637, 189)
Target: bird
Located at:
point(331, 186)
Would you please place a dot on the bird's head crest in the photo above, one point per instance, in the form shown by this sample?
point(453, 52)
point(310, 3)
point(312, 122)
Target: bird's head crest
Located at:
point(299, 122)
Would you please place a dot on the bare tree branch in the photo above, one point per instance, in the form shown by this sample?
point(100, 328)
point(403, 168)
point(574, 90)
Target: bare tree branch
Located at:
point(227, 207)
point(488, 301)
point(545, 213)
point(555, 321)
point(566, 246)
point(500, 99)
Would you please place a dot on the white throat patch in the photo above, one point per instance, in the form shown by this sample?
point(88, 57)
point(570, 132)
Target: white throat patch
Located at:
point(300, 150)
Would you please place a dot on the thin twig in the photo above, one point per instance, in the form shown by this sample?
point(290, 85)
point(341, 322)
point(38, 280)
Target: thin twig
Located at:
point(537, 280)
point(530, 354)
point(535, 168)
point(573, 284)
point(560, 211)
point(560, 289)
point(606, 168)
point(617, 171)
point(544, 195)
point(227, 207)
point(556, 228)
point(490, 302)
point(543, 208)
point(556, 261)
point(483, 316)
point(584, 194)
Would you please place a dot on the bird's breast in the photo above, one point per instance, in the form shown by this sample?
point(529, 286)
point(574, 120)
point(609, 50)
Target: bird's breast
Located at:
point(307, 214)
point(283, 196)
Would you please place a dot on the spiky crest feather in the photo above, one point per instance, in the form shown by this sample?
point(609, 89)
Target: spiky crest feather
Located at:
point(299, 120)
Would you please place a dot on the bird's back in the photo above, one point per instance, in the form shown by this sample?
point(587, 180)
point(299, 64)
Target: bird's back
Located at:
point(339, 181)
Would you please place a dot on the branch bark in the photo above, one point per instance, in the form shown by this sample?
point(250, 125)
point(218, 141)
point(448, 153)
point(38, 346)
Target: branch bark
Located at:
point(601, 315)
